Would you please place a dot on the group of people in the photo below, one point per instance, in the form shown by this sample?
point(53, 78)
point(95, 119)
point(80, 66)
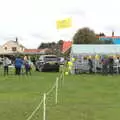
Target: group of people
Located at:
point(22, 65)
point(103, 64)
point(110, 65)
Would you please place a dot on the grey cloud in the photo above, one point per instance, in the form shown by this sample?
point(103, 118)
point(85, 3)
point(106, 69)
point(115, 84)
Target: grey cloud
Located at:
point(65, 35)
point(7, 37)
point(75, 12)
point(40, 36)
point(112, 27)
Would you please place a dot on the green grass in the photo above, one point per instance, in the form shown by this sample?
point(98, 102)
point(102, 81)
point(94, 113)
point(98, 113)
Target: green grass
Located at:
point(91, 97)
point(20, 95)
point(82, 97)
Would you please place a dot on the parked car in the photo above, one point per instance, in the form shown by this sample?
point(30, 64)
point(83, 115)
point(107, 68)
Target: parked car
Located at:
point(47, 63)
point(1, 61)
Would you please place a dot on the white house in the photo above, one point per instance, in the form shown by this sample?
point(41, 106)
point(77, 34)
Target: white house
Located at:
point(13, 47)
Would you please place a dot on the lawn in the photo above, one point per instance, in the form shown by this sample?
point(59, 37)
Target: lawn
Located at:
point(82, 97)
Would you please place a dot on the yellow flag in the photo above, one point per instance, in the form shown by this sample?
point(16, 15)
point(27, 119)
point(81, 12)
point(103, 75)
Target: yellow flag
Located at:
point(66, 23)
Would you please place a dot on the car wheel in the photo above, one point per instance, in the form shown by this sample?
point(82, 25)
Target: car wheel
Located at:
point(40, 69)
point(37, 69)
point(57, 70)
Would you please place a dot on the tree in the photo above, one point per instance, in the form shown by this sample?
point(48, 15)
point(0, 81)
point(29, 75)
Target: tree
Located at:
point(101, 35)
point(85, 36)
point(42, 46)
point(51, 45)
point(47, 45)
point(60, 44)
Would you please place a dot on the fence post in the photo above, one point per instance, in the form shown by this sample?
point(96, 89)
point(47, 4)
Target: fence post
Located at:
point(56, 91)
point(44, 106)
point(63, 76)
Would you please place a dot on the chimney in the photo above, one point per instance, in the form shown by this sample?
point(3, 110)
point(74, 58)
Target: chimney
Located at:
point(16, 40)
point(112, 33)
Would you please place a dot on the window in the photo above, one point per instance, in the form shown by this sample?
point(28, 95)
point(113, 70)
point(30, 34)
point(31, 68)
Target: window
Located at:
point(5, 48)
point(14, 49)
point(51, 58)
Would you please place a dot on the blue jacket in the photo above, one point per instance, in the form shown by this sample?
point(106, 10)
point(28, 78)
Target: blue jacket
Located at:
point(18, 62)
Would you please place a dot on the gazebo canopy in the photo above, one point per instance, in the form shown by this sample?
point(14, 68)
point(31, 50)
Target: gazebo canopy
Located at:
point(83, 49)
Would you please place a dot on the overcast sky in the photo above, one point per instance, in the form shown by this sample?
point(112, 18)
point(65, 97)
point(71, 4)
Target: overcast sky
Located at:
point(34, 21)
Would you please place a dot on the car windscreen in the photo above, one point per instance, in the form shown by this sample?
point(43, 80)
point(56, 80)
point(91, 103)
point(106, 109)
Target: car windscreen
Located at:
point(50, 58)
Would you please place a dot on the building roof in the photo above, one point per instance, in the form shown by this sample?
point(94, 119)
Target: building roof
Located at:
point(32, 50)
point(15, 43)
point(109, 37)
point(36, 51)
point(11, 41)
point(95, 49)
point(115, 39)
point(66, 46)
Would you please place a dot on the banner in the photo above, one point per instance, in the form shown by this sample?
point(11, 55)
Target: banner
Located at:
point(66, 23)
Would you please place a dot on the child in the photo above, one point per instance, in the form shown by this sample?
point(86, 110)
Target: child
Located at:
point(27, 68)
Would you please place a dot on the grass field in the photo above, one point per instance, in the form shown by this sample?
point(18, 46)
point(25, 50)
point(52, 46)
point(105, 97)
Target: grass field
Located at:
point(82, 97)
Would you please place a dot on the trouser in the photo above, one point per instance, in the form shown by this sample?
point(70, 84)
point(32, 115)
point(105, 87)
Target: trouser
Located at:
point(104, 69)
point(17, 70)
point(28, 70)
point(5, 70)
point(119, 70)
point(76, 71)
point(90, 70)
point(111, 71)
